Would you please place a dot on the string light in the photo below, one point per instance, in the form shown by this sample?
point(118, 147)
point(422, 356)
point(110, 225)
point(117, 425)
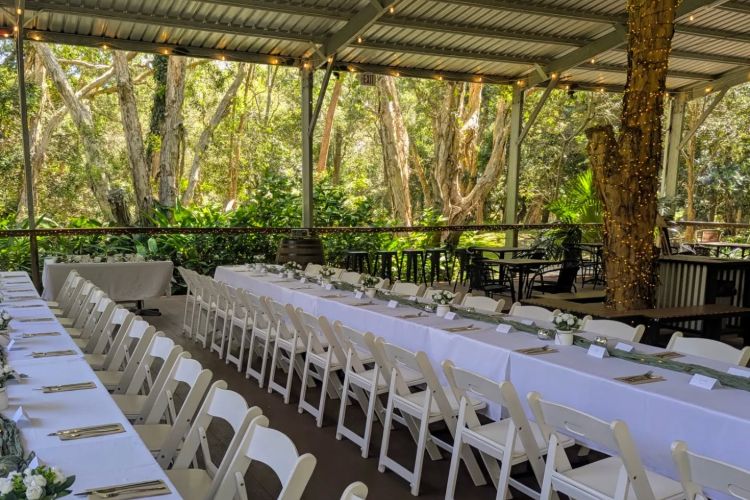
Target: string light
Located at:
point(274, 61)
point(439, 77)
point(36, 37)
point(19, 11)
point(593, 60)
point(359, 39)
point(553, 76)
point(521, 83)
point(105, 46)
point(692, 17)
point(391, 9)
point(165, 52)
point(330, 59)
point(396, 74)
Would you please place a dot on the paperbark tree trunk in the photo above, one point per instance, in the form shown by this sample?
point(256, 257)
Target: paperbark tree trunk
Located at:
point(462, 191)
point(325, 140)
point(131, 125)
point(688, 153)
point(338, 154)
point(219, 113)
point(160, 64)
point(395, 143)
point(168, 156)
point(84, 123)
point(236, 142)
point(626, 167)
point(37, 76)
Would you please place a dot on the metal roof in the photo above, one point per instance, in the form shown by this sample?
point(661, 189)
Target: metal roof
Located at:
point(579, 42)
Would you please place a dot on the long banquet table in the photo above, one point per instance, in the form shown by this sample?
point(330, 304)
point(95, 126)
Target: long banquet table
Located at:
point(715, 423)
point(97, 461)
point(121, 281)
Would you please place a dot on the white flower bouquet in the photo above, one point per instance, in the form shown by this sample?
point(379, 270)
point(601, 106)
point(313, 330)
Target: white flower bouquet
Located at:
point(369, 281)
point(5, 319)
point(443, 297)
point(326, 272)
point(292, 266)
point(566, 322)
point(6, 373)
point(40, 483)
point(259, 258)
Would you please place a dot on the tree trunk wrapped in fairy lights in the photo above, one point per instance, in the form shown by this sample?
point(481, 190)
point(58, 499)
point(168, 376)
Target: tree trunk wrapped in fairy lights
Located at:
point(626, 166)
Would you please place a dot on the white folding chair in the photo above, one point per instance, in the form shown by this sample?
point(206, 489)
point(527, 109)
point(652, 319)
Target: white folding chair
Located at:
point(262, 338)
point(79, 301)
point(408, 289)
point(355, 491)
point(190, 300)
point(420, 409)
point(323, 358)
point(276, 450)
point(506, 439)
point(163, 427)
point(107, 344)
point(240, 323)
point(68, 292)
point(482, 303)
point(350, 277)
point(102, 306)
point(708, 348)
point(618, 477)
point(613, 329)
point(224, 312)
point(129, 353)
point(87, 309)
point(133, 391)
point(533, 312)
point(697, 472)
point(365, 383)
point(194, 483)
point(288, 349)
point(207, 301)
point(67, 288)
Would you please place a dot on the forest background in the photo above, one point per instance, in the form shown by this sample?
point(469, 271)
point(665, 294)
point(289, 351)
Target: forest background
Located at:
point(123, 138)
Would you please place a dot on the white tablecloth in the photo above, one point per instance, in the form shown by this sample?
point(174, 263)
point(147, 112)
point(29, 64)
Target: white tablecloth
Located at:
point(99, 461)
point(714, 423)
point(121, 281)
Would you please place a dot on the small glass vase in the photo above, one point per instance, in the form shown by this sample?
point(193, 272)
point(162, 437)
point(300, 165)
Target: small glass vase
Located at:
point(370, 292)
point(290, 275)
point(442, 309)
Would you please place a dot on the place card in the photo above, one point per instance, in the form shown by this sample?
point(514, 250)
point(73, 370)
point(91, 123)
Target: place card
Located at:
point(392, 304)
point(10, 345)
point(503, 328)
point(34, 463)
point(529, 322)
point(20, 416)
point(597, 351)
point(413, 298)
point(359, 295)
point(740, 372)
point(450, 316)
point(704, 382)
point(622, 346)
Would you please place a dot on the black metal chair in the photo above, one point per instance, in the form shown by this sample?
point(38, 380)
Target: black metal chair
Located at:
point(491, 278)
point(414, 262)
point(357, 260)
point(436, 256)
point(564, 279)
point(461, 266)
point(383, 264)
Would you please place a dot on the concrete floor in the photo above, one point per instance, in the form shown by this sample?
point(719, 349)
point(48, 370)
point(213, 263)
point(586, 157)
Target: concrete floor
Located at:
point(338, 462)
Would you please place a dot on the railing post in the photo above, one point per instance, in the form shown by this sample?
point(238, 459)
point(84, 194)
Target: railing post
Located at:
point(28, 170)
point(514, 161)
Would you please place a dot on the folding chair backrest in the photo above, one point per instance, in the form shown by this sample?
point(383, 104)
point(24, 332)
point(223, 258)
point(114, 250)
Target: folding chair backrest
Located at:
point(114, 333)
point(279, 318)
point(88, 308)
point(187, 372)
point(614, 436)
point(276, 450)
point(483, 303)
point(133, 344)
point(708, 348)
point(80, 300)
point(97, 322)
point(409, 289)
point(142, 377)
point(327, 329)
point(229, 407)
point(613, 329)
point(309, 328)
point(698, 472)
point(67, 287)
point(350, 277)
point(352, 343)
point(66, 297)
point(355, 491)
point(533, 312)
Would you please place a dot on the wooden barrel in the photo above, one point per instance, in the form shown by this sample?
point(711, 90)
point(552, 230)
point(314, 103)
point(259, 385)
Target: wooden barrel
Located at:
point(300, 250)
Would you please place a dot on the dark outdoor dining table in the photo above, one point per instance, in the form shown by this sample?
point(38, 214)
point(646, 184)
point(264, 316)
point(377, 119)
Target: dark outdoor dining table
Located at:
point(522, 268)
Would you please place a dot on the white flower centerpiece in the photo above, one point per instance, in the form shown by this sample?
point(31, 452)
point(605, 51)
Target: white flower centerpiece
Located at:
point(291, 269)
point(40, 483)
point(443, 299)
point(5, 319)
point(565, 324)
point(326, 273)
point(368, 283)
point(6, 373)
